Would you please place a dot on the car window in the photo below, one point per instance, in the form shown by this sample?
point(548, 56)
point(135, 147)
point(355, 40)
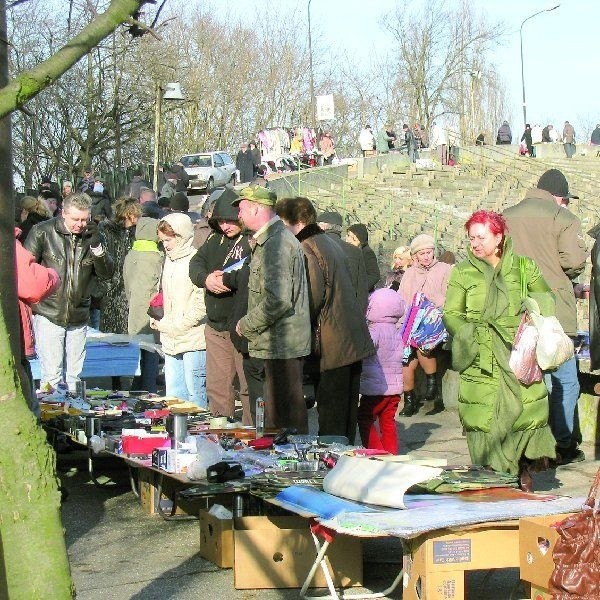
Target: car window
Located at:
point(218, 160)
point(226, 158)
point(197, 160)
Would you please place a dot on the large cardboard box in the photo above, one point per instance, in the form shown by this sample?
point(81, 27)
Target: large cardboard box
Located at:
point(277, 552)
point(536, 546)
point(436, 563)
point(216, 540)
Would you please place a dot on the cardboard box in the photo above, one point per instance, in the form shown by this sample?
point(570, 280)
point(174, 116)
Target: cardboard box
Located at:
point(216, 540)
point(435, 567)
point(277, 552)
point(536, 547)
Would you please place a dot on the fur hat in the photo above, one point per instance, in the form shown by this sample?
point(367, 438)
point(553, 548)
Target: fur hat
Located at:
point(421, 242)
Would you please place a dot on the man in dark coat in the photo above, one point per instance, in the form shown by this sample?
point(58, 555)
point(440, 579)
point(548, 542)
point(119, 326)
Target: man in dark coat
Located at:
point(183, 178)
point(358, 235)
point(221, 253)
point(244, 164)
point(341, 339)
point(504, 134)
point(70, 244)
point(331, 223)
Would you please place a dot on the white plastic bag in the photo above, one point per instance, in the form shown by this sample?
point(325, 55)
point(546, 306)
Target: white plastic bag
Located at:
point(523, 360)
point(554, 346)
point(209, 453)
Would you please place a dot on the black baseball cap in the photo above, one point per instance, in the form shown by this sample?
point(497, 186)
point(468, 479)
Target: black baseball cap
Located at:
point(555, 182)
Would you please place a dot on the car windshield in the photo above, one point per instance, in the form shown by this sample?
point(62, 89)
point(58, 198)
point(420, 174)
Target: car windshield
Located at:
point(196, 160)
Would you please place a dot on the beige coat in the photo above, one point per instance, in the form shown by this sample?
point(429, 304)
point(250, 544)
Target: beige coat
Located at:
point(182, 327)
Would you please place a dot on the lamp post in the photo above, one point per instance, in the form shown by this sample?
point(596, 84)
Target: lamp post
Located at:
point(522, 66)
point(172, 91)
point(310, 67)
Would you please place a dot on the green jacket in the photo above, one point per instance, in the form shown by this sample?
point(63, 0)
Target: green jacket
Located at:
point(277, 324)
point(551, 235)
point(482, 314)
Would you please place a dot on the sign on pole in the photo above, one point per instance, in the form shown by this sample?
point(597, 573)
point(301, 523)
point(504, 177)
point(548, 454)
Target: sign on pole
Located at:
point(325, 108)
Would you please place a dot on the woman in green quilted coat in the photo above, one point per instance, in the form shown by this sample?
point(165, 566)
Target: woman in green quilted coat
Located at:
point(506, 422)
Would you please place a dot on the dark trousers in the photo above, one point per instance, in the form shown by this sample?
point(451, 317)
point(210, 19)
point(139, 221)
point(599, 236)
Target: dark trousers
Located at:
point(148, 372)
point(284, 396)
point(254, 370)
point(337, 400)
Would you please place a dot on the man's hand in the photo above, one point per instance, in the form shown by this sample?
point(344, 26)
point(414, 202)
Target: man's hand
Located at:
point(91, 235)
point(214, 283)
point(153, 324)
point(238, 330)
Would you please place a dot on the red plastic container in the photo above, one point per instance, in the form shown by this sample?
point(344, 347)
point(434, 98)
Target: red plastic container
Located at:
point(144, 445)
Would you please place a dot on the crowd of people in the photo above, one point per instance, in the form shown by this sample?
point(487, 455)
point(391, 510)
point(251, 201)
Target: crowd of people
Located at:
point(258, 294)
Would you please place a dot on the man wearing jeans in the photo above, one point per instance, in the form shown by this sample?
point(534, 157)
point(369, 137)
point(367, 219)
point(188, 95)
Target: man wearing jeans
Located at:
point(543, 228)
point(71, 245)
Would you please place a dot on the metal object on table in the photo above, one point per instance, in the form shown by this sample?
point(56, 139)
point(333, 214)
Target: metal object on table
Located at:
point(177, 428)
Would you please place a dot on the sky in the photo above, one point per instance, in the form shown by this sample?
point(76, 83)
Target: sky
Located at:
point(560, 49)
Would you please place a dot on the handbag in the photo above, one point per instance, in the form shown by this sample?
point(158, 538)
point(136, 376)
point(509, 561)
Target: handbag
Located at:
point(554, 347)
point(523, 360)
point(576, 574)
point(156, 308)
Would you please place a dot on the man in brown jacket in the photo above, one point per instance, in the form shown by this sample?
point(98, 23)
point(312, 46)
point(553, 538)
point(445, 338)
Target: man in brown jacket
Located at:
point(545, 230)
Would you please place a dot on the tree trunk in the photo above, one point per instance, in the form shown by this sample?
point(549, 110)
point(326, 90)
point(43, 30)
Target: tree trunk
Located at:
point(33, 555)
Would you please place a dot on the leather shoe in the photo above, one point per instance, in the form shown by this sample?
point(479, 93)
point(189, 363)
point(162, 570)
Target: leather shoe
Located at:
point(525, 479)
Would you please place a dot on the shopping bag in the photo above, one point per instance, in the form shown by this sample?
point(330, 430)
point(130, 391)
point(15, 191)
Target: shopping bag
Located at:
point(523, 360)
point(554, 347)
point(576, 556)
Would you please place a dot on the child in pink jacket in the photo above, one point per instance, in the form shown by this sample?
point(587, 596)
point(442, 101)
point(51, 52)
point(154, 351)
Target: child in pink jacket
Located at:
point(381, 378)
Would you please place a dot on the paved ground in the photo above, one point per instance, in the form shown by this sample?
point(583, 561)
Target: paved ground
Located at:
point(119, 552)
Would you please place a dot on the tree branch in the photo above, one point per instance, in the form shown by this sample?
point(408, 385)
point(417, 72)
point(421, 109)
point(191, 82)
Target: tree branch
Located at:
point(30, 83)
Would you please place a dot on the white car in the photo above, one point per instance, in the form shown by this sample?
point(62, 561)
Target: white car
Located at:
point(208, 170)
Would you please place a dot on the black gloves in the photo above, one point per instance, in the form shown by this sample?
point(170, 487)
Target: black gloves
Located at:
point(91, 235)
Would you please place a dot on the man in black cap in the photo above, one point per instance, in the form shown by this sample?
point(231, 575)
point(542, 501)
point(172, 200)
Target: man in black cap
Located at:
point(331, 223)
point(545, 230)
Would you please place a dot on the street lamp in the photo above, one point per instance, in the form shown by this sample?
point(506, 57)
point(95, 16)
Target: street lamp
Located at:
point(310, 67)
point(522, 68)
point(172, 91)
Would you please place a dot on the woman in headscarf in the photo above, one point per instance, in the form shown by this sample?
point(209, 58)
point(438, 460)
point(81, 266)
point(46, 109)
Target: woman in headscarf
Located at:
point(182, 326)
point(506, 421)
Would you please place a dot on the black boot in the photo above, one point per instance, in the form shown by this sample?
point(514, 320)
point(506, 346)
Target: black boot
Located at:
point(431, 387)
point(411, 406)
point(438, 407)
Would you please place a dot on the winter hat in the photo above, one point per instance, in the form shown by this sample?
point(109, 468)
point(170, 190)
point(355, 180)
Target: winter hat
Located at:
point(180, 202)
point(146, 229)
point(331, 217)
point(421, 242)
point(361, 232)
point(182, 225)
point(258, 194)
point(555, 182)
